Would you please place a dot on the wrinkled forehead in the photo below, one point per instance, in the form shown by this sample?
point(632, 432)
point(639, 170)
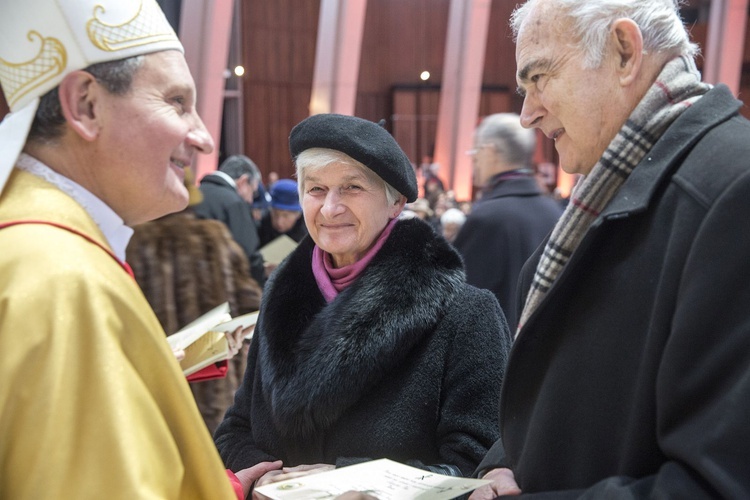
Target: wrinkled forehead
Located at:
point(542, 37)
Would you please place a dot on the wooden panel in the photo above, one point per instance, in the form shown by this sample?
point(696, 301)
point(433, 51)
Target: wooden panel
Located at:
point(415, 112)
point(401, 38)
point(279, 39)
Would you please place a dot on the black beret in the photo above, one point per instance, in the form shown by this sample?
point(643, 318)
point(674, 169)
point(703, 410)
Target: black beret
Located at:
point(363, 140)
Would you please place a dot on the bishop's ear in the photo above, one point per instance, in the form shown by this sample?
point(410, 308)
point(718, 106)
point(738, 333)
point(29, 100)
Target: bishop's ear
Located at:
point(79, 95)
point(628, 48)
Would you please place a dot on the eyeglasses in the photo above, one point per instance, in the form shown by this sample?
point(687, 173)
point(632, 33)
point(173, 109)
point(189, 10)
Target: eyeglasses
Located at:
point(474, 151)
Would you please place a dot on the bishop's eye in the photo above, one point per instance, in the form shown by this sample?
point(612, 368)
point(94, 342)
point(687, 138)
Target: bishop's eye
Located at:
point(179, 102)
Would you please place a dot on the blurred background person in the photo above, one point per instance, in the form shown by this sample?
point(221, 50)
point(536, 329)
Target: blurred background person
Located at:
point(273, 177)
point(261, 201)
point(369, 343)
point(421, 209)
point(451, 222)
point(227, 197)
point(186, 266)
point(285, 214)
point(283, 218)
point(512, 217)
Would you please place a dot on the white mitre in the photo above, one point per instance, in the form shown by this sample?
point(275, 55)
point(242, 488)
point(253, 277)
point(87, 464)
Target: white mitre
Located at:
point(41, 41)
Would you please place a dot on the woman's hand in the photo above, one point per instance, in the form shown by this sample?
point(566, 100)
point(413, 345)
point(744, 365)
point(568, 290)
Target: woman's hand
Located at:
point(503, 483)
point(248, 476)
point(292, 472)
point(356, 495)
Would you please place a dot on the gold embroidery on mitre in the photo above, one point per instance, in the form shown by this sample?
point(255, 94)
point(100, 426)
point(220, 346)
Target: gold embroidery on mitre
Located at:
point(148, 25)
point(18, 79)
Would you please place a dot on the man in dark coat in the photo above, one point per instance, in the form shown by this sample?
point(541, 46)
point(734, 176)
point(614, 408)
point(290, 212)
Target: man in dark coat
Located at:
point(512, 217)
point(227, 195)
point(630, 373)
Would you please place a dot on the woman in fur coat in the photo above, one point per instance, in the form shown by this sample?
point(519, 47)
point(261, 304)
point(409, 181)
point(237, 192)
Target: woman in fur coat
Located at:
point(369, 343)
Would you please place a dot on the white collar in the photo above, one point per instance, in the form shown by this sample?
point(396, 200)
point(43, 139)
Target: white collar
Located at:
point(111, 225)
point(226, 177)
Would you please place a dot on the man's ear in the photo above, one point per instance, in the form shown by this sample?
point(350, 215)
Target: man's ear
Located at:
point(628, 48)
point(78, 94)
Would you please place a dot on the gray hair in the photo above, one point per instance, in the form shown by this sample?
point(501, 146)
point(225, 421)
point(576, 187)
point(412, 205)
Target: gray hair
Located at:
point(236, 166)
point(313, 159)
point(514, 143)
point(115, 76)
point(453, 216)
point(659, 20)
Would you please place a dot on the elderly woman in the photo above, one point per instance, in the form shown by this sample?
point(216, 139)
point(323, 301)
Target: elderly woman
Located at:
point(369, 343)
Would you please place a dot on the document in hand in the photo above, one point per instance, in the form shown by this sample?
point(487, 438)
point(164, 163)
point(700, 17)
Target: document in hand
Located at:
point(383, 479)
point(277, 249)
point(203, 340)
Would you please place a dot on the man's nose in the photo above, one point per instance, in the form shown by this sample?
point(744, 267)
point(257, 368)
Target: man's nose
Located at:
point(199, 137)
point(531, 112)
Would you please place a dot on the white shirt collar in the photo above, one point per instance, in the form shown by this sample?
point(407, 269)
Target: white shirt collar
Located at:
point(226, 177)
point(111, 225)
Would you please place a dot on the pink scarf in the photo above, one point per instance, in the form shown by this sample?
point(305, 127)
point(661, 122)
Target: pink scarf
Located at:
point(333, 280)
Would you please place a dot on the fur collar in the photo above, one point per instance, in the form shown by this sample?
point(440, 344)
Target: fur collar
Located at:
point(318, 359)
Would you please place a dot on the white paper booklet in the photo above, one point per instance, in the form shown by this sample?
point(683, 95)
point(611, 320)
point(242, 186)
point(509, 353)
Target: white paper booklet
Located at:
point(384, 479)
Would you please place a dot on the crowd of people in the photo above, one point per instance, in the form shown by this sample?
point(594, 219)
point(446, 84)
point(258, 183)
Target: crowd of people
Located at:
point(597, 349)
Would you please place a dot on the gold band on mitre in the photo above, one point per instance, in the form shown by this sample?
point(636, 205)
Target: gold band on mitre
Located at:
point(18, 79)
point(142, 29)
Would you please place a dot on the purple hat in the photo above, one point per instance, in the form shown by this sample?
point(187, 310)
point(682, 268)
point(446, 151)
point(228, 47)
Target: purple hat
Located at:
point(284, 195)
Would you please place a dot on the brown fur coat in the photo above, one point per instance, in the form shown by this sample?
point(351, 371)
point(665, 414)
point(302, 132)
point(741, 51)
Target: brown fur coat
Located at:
point(185, 267)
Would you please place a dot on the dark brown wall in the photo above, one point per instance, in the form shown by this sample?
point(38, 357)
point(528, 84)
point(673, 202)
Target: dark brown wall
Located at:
point(279, 38)
point(404, 37)
point(400, 39)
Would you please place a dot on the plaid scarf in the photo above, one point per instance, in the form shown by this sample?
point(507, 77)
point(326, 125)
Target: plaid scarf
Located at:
point(676, 89)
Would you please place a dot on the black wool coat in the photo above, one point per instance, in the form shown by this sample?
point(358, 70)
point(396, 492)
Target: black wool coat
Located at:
point(502, 231)
point(222, 202)
point(632, 378)
point(406, 363)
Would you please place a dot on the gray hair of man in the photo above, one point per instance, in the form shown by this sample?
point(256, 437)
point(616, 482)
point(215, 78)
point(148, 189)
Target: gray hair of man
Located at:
point(503, 131)
point(659, 21)
point(115, 76)
point(236, 166)
point(453, 216)
point(314, 159)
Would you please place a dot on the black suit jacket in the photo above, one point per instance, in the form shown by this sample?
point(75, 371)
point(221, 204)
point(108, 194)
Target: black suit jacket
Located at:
point(222, 202)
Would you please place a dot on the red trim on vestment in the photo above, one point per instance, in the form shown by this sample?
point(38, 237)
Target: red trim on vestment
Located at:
point(85, 236)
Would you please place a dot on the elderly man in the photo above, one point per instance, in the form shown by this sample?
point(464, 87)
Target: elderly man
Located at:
point(512, 217)
point(227, 197)
point(102, 124)
point(630, 372)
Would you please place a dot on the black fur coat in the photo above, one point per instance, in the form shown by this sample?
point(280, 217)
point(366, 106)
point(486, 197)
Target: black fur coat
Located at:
point(406, 363)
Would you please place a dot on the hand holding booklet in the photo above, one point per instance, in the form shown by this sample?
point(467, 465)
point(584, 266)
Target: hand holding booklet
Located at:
point(204, 341)
point(383, 479)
